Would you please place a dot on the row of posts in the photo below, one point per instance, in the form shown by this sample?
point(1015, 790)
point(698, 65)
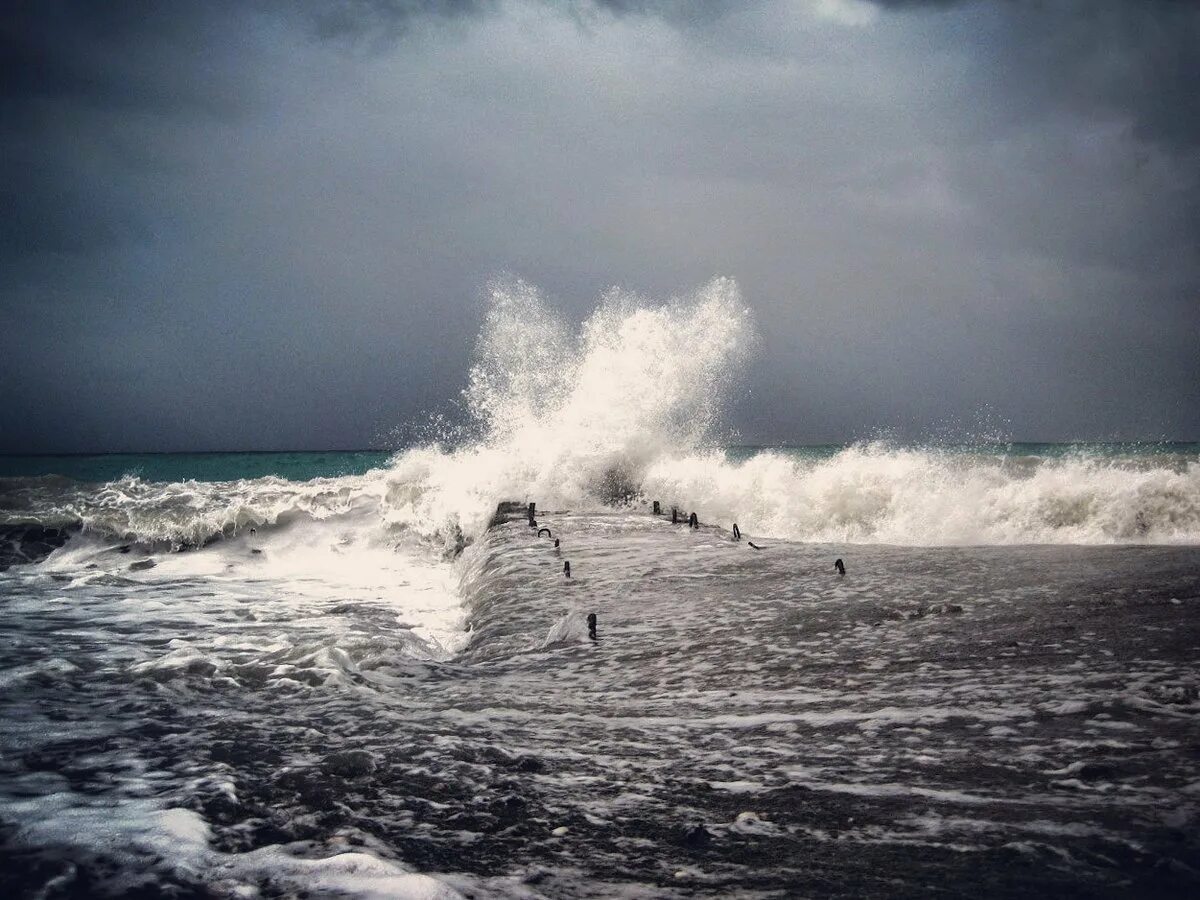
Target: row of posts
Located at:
point(693, 522)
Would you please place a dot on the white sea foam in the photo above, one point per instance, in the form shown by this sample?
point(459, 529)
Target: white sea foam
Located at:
point(626, 407)
point(879, 493)
point(133, 829)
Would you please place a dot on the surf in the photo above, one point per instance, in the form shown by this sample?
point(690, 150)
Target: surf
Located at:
point(627, 407)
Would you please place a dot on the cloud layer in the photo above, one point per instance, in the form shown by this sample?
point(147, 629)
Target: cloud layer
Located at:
point(268, 225)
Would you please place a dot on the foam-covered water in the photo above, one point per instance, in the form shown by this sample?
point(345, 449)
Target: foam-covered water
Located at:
point(257, 676)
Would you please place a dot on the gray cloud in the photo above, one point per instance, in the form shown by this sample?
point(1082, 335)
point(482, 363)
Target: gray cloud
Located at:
point(67, 66)
point(268, 225)
point(1133, 60)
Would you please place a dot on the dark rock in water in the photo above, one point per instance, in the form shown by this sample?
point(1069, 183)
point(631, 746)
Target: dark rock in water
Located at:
point(697, 837)
point(349, 764)
point(142, 564)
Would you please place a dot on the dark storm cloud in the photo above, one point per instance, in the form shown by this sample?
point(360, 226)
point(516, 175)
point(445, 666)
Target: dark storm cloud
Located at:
point(1097, 57)
point(66, 64)
point(267, 223)
point(96, 53)
point(378, 18)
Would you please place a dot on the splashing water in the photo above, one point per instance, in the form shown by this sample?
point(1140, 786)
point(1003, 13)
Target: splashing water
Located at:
point(628, 407)
point(881, 493)
point(577, 420)
point(264, 686)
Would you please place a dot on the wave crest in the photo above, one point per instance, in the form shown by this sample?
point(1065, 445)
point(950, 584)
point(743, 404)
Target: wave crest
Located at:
point(880, 493)
point(627, 407)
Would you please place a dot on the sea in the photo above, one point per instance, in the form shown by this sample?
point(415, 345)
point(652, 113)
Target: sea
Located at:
point(370, 674)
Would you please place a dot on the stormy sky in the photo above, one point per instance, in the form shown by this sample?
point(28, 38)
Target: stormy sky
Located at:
point(269, 224)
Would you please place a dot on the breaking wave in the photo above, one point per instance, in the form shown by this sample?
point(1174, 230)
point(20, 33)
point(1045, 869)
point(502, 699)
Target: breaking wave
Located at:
point(880, 493)
point(627, 408)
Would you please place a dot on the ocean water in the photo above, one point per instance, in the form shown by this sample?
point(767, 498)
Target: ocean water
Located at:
point(343, 674)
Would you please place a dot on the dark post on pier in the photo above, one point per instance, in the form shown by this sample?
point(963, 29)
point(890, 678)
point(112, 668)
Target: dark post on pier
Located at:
point(674, 516)
point(532, 509)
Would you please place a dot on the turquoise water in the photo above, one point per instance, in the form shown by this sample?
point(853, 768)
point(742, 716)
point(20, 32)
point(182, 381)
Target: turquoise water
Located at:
point(196, 466)
point(302, 466)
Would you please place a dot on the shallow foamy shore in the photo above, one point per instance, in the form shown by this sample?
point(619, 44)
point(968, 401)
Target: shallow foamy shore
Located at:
point(991, 720)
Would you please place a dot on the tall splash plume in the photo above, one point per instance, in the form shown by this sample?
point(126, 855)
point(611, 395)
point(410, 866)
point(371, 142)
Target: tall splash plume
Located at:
point(628, 405)
point(574, 419)
point(571, 418)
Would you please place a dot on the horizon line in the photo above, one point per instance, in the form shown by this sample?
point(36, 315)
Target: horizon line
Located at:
point(752, 445)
